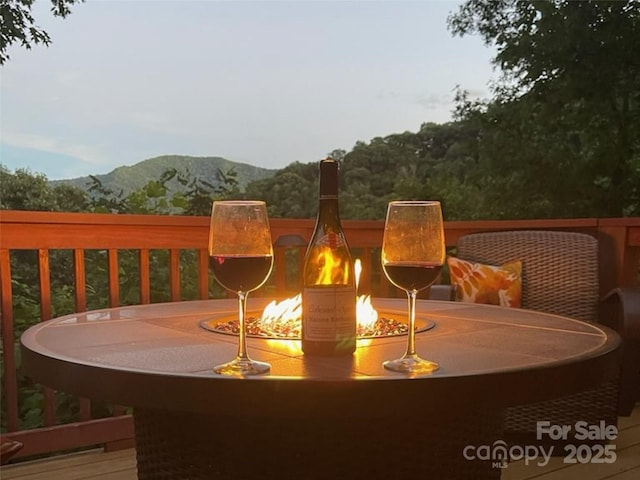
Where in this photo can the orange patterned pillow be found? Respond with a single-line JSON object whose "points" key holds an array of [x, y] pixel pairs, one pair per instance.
{"points": [[479, 283]]}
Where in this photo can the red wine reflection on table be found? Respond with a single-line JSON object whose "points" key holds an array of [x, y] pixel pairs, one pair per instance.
{"points": [[241, 273], [412, 275]]}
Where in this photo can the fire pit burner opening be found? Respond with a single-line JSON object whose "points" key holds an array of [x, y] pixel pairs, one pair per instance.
{"points": [[384, 326]]}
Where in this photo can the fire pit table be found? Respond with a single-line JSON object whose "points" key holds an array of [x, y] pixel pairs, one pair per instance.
{"points": [[315, 417]]}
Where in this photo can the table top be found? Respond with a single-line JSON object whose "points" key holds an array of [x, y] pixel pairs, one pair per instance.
{"points": [[159, 356]]}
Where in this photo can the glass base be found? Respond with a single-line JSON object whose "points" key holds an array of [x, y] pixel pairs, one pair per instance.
{"points": [[411, 364], [240, 367]]}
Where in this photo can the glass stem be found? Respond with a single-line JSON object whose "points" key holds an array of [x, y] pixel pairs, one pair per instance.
{"points": [[411, 334], [242, 311]]}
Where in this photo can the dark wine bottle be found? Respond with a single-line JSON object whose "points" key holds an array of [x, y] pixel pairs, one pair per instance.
{"points": [[329, 292]]}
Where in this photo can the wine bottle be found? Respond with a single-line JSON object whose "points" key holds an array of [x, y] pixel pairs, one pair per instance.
{"points": [[329, 292]]}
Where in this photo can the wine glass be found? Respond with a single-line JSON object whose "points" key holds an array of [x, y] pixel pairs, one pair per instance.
{"points": [[413, 253], [241, 258]]}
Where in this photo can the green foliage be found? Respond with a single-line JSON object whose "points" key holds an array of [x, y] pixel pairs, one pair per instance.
{"points": [[198, 193], [18, 24], [25, 190], [158, 197], [565, 124], [291, 192], [26, 305]]}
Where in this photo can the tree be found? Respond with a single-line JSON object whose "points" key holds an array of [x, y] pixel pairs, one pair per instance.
{"points": [[18, 25], [292, 192], [200, 194], [69, 198], [565, 119], [24, 190]]}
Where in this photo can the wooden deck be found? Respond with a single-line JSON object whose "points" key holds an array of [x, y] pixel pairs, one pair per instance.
{"points": [[121, 465]]}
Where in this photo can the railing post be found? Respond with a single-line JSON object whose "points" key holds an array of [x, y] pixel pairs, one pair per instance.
{"points": [[8, 344], [174, 274], [145, 281], [114, 277], [203, 273], [619, 256], [280, 247]]}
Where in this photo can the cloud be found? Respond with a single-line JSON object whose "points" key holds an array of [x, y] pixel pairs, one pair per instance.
{"points": [[86, 153], [438, 105]]}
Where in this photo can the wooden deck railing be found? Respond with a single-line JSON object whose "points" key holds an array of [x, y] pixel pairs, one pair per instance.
{"points": [[44, 232]]}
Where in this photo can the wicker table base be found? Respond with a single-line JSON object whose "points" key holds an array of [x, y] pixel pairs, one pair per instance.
{"points": [[590, 406], [425, 445]]}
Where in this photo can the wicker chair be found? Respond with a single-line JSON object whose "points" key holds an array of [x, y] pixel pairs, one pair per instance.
{"points": [[560, 275]]}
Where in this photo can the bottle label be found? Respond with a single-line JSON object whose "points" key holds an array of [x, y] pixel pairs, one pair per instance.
{"points": [[329, 313], [331, 240]]}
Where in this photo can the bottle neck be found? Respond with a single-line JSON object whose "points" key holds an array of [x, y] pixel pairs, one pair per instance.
{"points": [[328, 198], [328, 208], [328, 179]]}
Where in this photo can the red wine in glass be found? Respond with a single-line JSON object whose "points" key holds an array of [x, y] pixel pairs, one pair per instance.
{"points": [[412, 275], [241, 273]]}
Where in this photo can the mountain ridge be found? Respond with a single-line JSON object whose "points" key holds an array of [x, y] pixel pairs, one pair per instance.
{"points": [[129, 178]]}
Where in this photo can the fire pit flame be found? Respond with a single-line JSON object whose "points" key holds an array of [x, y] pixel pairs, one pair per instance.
{"points": [[366, 315], [282, 320]]}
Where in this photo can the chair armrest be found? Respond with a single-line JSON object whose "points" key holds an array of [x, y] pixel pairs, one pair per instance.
{"points": [[620, 310], [8, 448]]}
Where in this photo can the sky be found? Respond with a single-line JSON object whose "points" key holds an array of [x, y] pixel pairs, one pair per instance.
{"points": [[265, 83]]}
